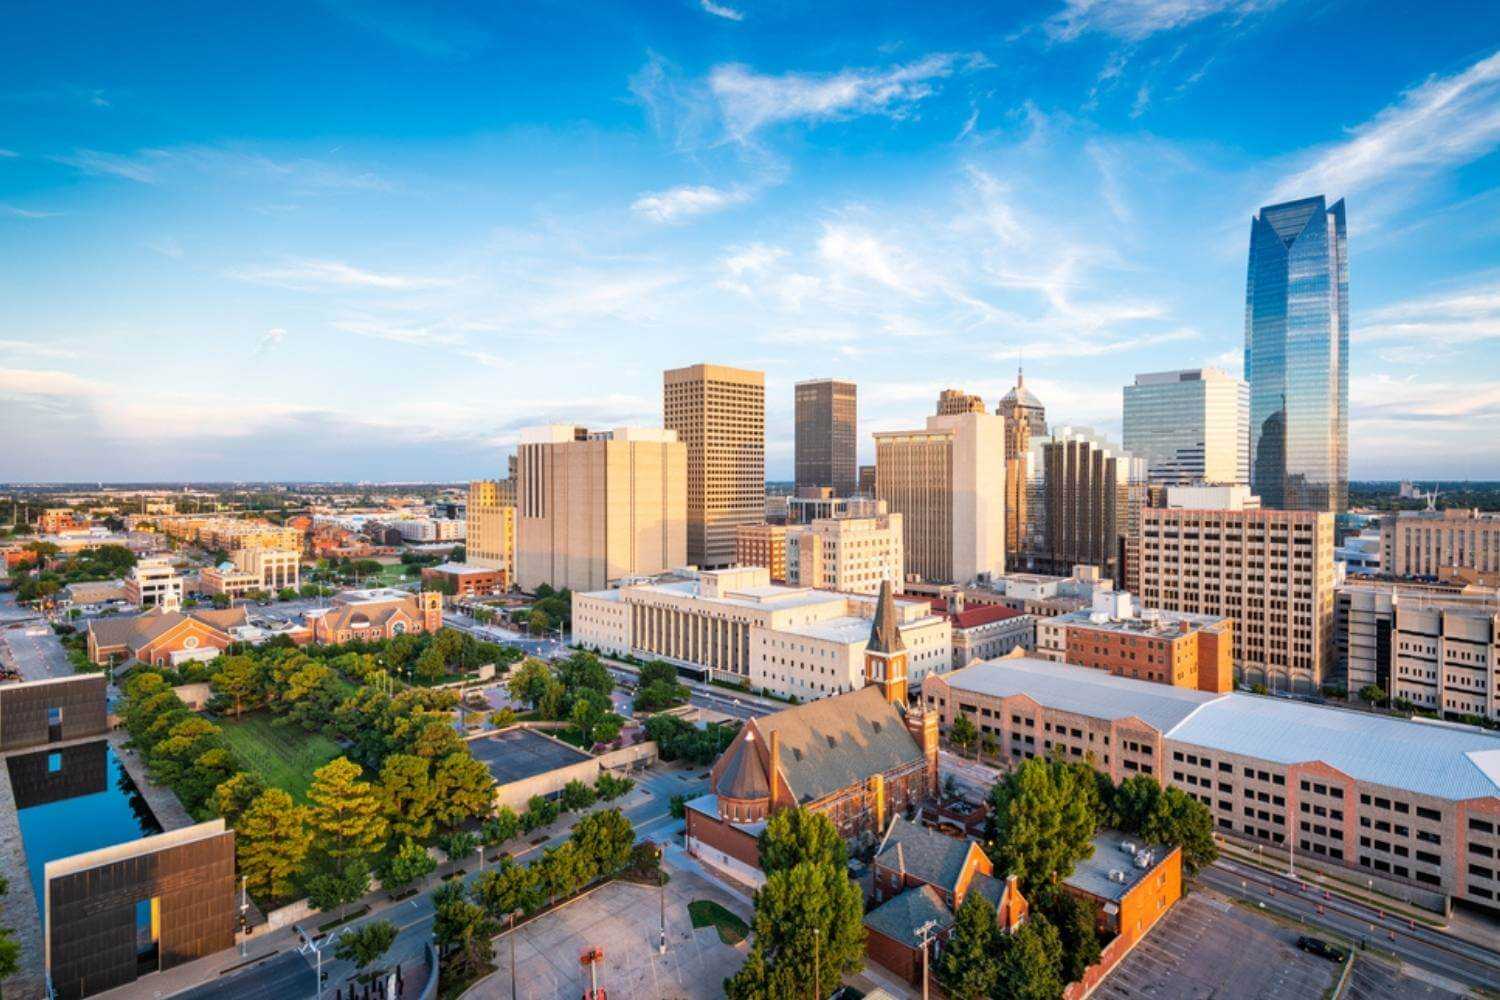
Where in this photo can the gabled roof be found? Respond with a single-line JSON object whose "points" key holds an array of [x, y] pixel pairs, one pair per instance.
{"points": [[984, 614], [836, 742], [899, 917], [924, 854], [367, 613], [137, 631]]}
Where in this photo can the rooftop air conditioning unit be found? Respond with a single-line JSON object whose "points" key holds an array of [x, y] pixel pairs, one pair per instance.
{"points": [[1127, 847], [1143, 859], [1115, 875]]}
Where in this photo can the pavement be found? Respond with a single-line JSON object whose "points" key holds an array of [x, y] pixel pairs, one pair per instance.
{"points": [[35, 650], [1375, 979], [1427, 950], [1208, 947]]}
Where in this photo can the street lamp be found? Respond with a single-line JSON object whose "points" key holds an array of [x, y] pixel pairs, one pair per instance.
{"points": [[817, 966], [317, 950], [661, 881]]}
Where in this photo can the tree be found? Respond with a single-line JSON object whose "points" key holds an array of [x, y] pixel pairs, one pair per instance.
{"points": [[963, 733], [465, 788], [410, 863], [365, 945], [539, 812], [967, 967], [462, 929], [1077, 922], [576, 795], [510, 887], [339, 885], [236, 795], [794, 836], [584, 672], [538, 622], [408, 795], [585, 716], [603, 839], [503, 718], [346, 812], [429, 666], [563, 870], [240, 679], [610, 787], [1041, 822], [271, 841], [788, 908], [459, 844], [657, 670], [1372, 695], [500, 827], [1030, 962], [528, 681], [657, 695], [1182, 821]]}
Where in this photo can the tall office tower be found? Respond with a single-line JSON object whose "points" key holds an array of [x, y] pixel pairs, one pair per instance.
{"points": [[1191, 426], [867, 481], [951, 401], [1085, 502], [490, 538], [948, 484], [720, 414], [826, 435], [1270, 570], [1297, 356], [1025, 418], [599, 507]]}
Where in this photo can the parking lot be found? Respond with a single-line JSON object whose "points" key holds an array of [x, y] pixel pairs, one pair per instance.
{"points": [[624, 920], [1374, 979], [1209, 947]]}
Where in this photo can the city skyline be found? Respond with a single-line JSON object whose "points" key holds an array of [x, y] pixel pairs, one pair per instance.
{"points": [[415, 234]]}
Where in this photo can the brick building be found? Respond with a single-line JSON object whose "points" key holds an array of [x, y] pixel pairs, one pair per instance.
{"points": [[163, 638], [1167, 647], [468, 581], [858, 758], [372, 615]]}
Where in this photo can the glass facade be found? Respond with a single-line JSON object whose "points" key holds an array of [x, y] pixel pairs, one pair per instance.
{"points": [[1190, 426], [1296, 355], [826, 435]]}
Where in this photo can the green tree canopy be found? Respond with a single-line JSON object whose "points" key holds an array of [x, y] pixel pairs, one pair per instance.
{"points": [[794, 836], [347, 815], [967, 968], [364, 945], [1029, 964], [1041, 821], [791, 905], [271, 842]]}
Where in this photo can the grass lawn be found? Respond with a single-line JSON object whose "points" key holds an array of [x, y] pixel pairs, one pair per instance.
{"points": [[706, 913], [281, 752]]}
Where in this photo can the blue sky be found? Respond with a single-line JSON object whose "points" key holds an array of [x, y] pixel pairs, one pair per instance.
{"points": [[353, 239]]}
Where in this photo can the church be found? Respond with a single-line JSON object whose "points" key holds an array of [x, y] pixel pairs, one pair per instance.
{"points": [[859, 758]]}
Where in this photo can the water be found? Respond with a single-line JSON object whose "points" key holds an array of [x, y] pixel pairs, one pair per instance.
{"points": [[74, 800]]}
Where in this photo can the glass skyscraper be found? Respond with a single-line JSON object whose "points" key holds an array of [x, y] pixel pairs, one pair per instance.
{"points": [[1191, 426], [1297, 355]]}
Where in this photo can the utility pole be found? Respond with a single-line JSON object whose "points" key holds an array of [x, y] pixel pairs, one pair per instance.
{"points": [[817, 966], [512, 936], [661, 881], [925, 931]]}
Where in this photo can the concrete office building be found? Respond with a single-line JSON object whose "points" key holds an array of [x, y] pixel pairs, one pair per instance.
{"points": [[153, 582], [719, 413], [491, 532], [826, 435], [1436, 648], [1272, 572], [948, 484], [736, 623], [986, 631], [954, 401], [599, 507], [820, 507], [1413, 806], [1165, 647], [854, 555], [1190, 426], [1079, 509], [247, 570], [1447, 544], [1025, 418]]}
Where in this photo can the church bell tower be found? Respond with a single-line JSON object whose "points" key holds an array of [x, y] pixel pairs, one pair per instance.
{"points": [[885, 656]]}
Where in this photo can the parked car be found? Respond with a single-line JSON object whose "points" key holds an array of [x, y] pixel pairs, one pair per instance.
{"points": [[1321, 948]]}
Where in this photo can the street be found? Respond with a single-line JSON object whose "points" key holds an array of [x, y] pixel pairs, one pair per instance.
{"points": [[1412, 942]]}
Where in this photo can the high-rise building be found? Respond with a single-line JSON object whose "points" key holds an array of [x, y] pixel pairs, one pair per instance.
{"points": [[491, 534], [948, 484], [1025, 418], [854, 555], [1450, 544], [826, 416], [1079, 504], [1271, 571], [719, 413], [867, 481], [951, 401], [599, 507], [1297, 355], [1191, 426]]}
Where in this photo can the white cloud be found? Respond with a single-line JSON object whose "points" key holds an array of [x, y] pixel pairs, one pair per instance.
{"points": [[41, 382], [719, 10], [1142, 101], [750, 101], [1443, 121], [1063, 347], [143, 168], [1134, 20], [270, 340], [854, 253], [414, 335], [16, 212], [679, 204], [322, 274], [1436, 321], [35, 350]]}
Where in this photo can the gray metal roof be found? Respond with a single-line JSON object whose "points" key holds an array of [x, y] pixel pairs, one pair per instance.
{"points": [[1081, 689], [899, 917], [832, 743], [1447, 762]]}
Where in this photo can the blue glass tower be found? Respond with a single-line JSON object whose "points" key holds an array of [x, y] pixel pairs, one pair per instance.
{"points": [[1297, 355]]}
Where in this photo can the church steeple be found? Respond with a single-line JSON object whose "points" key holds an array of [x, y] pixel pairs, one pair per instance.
{"points": [[885, 655]]}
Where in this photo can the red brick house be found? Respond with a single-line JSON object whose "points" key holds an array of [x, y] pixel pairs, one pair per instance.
{"points": [[372, 615], [163, 638], [922, 877], [858, 758]]}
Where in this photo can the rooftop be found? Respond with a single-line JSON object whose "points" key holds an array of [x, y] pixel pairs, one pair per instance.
{"points": [[518, 754], [932, 857], [463, 569], [899, 917], [1127, 857], [1150, 622], [984, 614]]}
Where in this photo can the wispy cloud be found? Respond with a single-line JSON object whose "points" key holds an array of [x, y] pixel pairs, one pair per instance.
{"points": [[1437, 322], [16, 212], [143, 168], [750, 101], [1444, 121], [679, 204], [1134, 20], [324, 274], [33, 349], [224, 165], [414, 26], [720, 10], [270, 340], [8, 154], [1083, 348], [415, 335]]}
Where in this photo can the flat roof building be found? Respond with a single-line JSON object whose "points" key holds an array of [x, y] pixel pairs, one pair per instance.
{"points": [[826, 436], [1167, 647]]}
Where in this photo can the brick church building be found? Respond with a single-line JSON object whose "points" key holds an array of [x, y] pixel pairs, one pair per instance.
{"points": [[859, 758]]}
